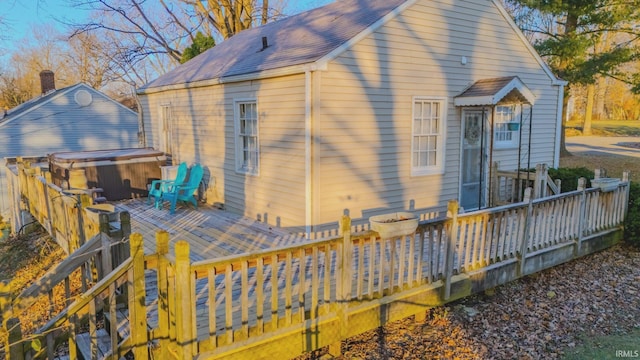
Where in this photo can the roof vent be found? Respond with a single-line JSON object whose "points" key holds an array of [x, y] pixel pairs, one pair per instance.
{"points": [[265, 43], [83, 97]]}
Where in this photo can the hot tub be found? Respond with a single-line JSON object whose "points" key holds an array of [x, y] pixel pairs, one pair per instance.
{"points": [[121, 173]]}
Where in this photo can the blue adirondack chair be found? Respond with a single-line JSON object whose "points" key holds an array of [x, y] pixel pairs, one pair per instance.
{"points": [[185, 192], [160, 186]]}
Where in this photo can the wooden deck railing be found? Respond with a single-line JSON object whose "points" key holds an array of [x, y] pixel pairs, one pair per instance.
{"points": [[69, 216], [282, 302], [507, 187]]}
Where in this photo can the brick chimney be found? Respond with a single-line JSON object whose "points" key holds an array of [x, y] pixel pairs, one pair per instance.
{"points": [[47, 81]]}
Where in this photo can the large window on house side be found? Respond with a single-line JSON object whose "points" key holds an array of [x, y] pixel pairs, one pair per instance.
{"points": [[506, 126], [247, 141], [427, 143]]}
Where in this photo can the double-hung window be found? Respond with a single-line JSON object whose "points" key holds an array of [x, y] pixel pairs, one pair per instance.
{"points": [[427, 143], [506, 126], [247, 141]]}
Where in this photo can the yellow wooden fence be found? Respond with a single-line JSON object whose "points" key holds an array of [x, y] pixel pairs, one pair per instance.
{"points": [[283, 302]]}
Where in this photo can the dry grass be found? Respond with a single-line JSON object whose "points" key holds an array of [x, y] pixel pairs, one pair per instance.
{"points": [[24, 259], [605, 128], [615, 165], [27, 257]]}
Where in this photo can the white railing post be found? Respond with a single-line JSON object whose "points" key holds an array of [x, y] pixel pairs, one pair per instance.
{"points": [[558, 183], [137, 307], [494, 185], [452, 214], [162, 249], [582, 186], [540, 187], [107, 263], [626, 178], [536, 182], [184, 317], [524, 242], [598, 173], [344, 274], [347, 255]]}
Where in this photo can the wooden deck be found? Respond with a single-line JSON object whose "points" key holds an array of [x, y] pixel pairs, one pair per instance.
{"points": [[211, 232]]}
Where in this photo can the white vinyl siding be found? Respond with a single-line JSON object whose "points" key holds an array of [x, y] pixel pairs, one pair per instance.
{"points": [[204, 132], [427, 154], [506, 126], [361, 115], [366, 113], [247, 139]]}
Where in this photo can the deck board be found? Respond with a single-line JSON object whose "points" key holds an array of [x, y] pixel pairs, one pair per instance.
{"points": [[214, 233], [210, 232]]}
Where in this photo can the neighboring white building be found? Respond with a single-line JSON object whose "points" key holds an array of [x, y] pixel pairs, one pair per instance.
{"points": [[360, 107], [74, 118]]}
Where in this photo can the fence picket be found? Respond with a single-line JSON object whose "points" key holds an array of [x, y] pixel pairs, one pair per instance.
{"points": [[422, 238], [360, 267], [184, 337], [411, 257], [260, 294], [302, 284], [326, 293], [274, 292], [315, 284], [372, 260], [288, 279]]}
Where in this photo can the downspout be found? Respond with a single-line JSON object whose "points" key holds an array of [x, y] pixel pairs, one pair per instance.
{"points": [[529, 144], [491, 139], [308, 153], [142, 136], [482, 154], [520, 149], [556, 156]]}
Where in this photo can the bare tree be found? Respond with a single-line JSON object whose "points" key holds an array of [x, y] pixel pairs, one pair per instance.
{"points": [[11, 93], [143, 37], [227, 17], [139, 33], [86, 56]]}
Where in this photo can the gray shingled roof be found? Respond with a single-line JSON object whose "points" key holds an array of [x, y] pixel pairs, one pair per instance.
{"points": [[486, 87], [495, 90], [30, 104], [296, 40]]}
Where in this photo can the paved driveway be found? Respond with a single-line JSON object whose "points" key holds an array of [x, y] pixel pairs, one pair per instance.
{"points": [[603, 145]]}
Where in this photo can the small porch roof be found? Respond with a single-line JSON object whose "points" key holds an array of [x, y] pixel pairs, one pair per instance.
{"points": [[489, 92]]}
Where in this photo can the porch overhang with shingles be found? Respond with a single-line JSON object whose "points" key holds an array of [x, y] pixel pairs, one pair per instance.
{"points": [[490, 92]]}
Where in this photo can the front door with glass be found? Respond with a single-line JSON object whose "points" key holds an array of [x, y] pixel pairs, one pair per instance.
{"points": [[473, 184]]}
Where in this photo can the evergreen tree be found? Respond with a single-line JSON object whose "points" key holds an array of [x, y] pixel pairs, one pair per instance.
{"points": [[199, 45], [583, 40]]}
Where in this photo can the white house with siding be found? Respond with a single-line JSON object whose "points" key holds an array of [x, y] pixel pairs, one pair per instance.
{"points": [[360, 107], [73, 118]]}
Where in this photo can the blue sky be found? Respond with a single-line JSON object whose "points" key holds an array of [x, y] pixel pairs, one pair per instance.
{"points": [[22, 15]]}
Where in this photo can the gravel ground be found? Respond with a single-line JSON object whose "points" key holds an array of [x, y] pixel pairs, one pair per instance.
{"points": [[542, 316]]}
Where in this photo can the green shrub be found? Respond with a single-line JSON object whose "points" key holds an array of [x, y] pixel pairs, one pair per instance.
{"points": [[570, 176], [632, 222]]}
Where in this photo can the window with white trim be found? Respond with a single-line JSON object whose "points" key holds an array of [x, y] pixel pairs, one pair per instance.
{"points": [[247, 141], [427, 143], [506, 126]]}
